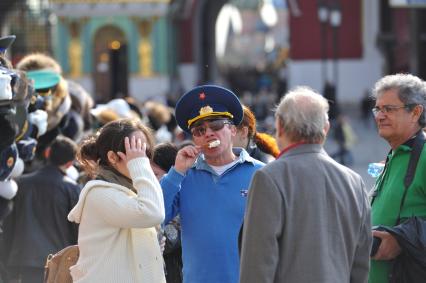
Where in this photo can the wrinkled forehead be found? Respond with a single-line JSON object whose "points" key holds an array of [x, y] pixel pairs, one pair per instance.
{"points": [[389, 96]]}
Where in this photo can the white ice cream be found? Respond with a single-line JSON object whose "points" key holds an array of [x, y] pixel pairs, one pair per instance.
{"points": [[215, 143]]}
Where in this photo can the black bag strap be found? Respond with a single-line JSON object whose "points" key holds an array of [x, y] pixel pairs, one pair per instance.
{"points": [[418, 143]]}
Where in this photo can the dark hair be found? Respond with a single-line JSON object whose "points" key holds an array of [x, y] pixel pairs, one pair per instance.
{"points": [[264, 142], [94, 149], [164, 155], [62, 150]]}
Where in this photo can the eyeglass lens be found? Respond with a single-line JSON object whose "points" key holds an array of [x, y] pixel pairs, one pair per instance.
{"points": [[388, 108], [215, 125]]}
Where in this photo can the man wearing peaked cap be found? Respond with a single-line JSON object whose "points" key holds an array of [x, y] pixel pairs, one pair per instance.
{"points": [[208, 101], [208, 184], [6, 42]]}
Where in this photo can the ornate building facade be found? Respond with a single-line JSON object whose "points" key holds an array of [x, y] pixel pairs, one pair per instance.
{"points": [[114, 48]]}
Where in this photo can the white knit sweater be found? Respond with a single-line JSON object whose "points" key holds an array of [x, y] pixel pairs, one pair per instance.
{"points": [[117, 239]]}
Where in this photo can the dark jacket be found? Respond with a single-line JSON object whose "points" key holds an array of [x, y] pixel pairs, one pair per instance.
{"points": [[410, 265], [38, 224], [256, 153]]}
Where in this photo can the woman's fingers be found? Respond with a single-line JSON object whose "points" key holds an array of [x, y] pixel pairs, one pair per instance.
{"points": [[126, 144], [133, 142], [139, 144], [134, 148]]}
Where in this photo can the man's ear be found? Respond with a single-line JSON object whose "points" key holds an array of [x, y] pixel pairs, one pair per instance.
{"points": [[245, 131], [280, 128], [233, 129], [326, 128], [112, 157], [417, 111]]}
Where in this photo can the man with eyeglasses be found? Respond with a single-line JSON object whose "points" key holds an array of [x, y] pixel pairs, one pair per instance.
{"points": [[208, 185], [400, 117]]}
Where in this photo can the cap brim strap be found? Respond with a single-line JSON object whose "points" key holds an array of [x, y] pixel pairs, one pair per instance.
{"points": [[191, 121]]}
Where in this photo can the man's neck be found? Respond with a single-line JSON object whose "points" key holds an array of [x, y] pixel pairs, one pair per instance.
{"points": [[221, 160], [394, 144]]}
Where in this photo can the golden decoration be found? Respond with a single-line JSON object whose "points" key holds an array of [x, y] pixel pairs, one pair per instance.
{"points": [[205, 110]]}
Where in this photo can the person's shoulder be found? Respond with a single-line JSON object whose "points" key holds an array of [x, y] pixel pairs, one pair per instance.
{"points": [[31, 179], [246, 157], [343, 170], [71, 185], [258, 163], [273, 168], [96, 190]]}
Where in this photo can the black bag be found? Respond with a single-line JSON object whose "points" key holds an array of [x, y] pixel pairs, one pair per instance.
{"points": [[410, 265]]}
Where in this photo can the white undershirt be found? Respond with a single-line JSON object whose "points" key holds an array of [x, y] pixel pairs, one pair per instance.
{"points": [[220, 169]]}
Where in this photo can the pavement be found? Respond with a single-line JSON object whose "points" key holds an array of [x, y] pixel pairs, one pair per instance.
{"points": [[368, 148]]}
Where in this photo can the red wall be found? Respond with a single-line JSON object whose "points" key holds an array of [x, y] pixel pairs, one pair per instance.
{"points": [[305, 32], [185, 40]]}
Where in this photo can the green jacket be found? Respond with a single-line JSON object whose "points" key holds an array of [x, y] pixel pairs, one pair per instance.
{"points": [[389, 189]]}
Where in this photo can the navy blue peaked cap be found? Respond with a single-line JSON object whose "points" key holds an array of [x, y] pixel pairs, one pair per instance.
{"points": [[207, 101], [6, 42]]}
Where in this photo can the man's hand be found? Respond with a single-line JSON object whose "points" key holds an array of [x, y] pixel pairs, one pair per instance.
{"points": [[186, 157], [389, 247]]}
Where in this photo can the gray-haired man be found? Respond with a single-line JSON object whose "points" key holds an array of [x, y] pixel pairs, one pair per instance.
{"points": [[400, 117], [307, 217]]}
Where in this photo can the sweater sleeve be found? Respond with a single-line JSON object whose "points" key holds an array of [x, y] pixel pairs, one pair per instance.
{"points": [[171, 184], [144, 210]]}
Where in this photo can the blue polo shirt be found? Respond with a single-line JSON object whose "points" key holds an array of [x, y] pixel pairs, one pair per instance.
{"points": [[211, 209]]}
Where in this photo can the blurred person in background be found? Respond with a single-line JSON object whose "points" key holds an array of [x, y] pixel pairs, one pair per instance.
{"points": [[38, 224], [16, 97], [159, 116], [366, 104], [260, 146], [345, 138], [163, 158], [52, 89]]}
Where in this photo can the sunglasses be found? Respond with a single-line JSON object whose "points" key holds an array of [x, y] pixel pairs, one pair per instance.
{"points": [[214, 125]]}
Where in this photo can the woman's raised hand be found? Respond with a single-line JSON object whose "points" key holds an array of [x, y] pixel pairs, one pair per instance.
{"points": [[134, 148]]}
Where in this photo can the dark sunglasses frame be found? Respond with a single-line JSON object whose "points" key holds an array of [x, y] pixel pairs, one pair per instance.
{"points": [[215, 125]]}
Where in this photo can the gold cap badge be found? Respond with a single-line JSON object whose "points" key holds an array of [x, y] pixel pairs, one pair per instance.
{"points": [[205, 110]]}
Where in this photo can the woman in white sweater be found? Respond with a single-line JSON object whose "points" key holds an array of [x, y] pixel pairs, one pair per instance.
{"points": [[119, 209]]}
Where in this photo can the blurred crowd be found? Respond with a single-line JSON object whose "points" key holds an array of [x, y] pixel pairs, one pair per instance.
{"points": [[43, 119], [151, 193]]}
